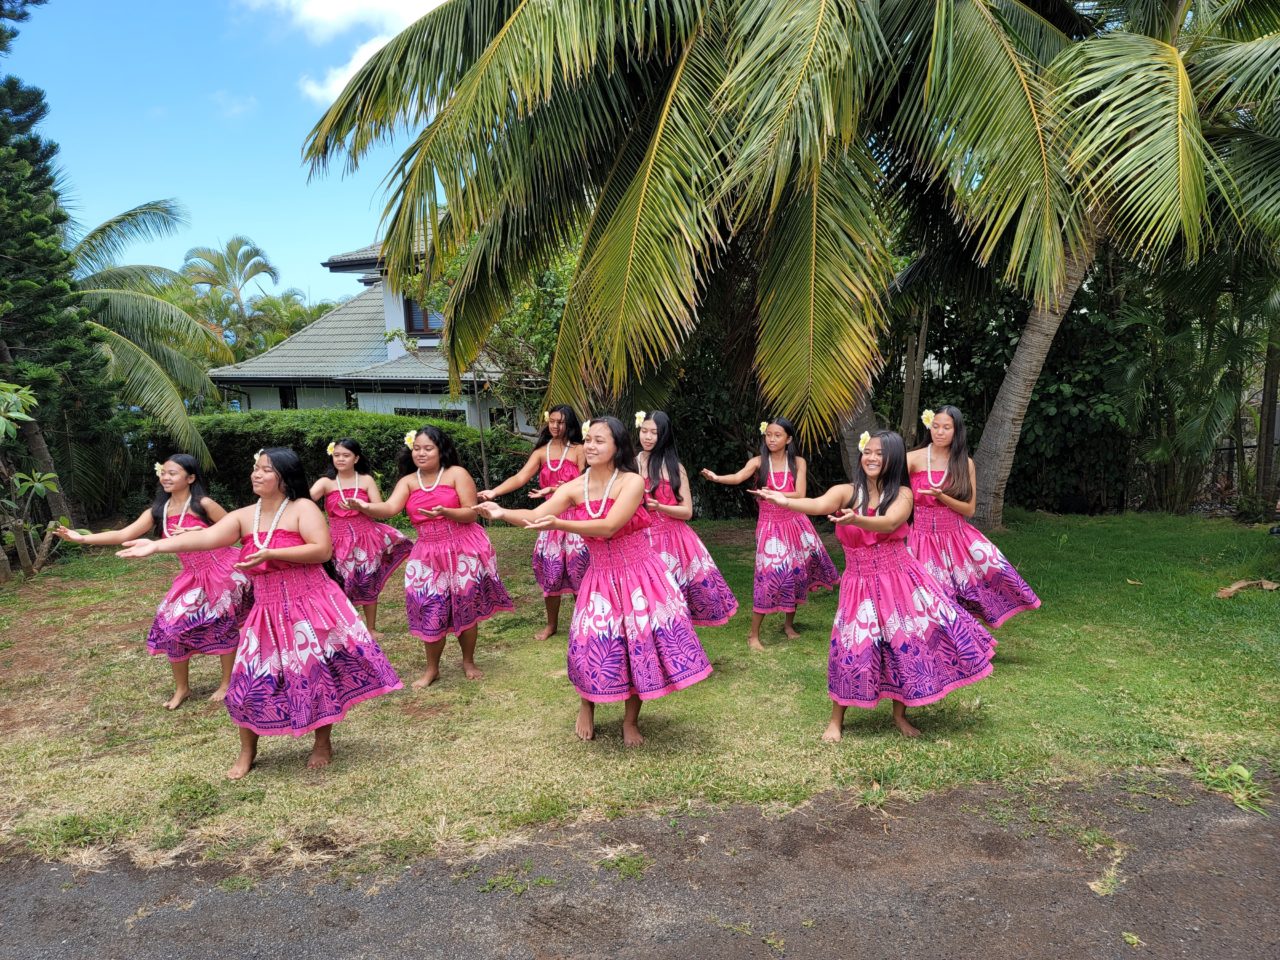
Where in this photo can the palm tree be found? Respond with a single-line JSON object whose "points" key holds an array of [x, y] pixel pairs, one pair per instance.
{"points": [[280, 315], [225, 274], [665, 132], [150, 343]]}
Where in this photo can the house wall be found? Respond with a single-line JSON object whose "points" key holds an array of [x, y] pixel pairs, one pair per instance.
{"points": [[313, 398], [385, 402], [263, 398]]}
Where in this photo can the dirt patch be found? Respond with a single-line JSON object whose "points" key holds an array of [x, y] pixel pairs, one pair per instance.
{"points": [[1148, 865]]}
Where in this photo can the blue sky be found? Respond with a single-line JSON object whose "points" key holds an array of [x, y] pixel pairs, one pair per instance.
{"points": [[209, 102]]}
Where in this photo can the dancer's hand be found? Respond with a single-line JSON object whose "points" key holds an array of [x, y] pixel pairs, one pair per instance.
{"points": [[254, 559], [360, 505], [651, 503], [490, 510], [713, 477], [844, 517], [432, 513], [932, 492], [542, 523], [66, 533], [542, 493], [485, 495], [776, 497], [137, 549]]}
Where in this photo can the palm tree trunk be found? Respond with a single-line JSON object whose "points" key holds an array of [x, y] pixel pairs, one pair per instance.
{"points": [[860, 418], [994, 457], [1267, 487], [33, 436], [912, 378]]}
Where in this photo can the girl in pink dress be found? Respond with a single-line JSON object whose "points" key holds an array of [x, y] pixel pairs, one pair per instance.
{"points": [[897, 635], [559, 558], [670, 507], [791, 561], [209, 599], [365, 553], [451, 580], [967, 565], [631, 638], [305, 656]]}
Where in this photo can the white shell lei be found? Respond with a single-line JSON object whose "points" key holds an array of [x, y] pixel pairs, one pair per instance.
{"points": [[275, 522], [436, 483], [786, 472], [563, 457], [586, 494], [164, 530], [342, 494], [928, 464]]}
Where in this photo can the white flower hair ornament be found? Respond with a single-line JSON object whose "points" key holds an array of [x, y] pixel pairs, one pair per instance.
{"points": [[257, 456], [764, 425], [159, 469], [863, 441], [546, 415], [927, 419], [330, 448], [408, 438], [641, 416]]}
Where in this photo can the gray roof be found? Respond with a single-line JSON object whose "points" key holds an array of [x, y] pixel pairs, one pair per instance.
{"points": [[349, 337], [353, 261], [425, 364]]}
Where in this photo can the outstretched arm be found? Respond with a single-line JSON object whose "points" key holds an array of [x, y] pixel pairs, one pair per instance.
{"points": [[557, 503], [831, 501], [733, 479], [222, 534], [109, 538], [898, 514], [312, 527], [383, 509], [630, 493], [525, 474]]}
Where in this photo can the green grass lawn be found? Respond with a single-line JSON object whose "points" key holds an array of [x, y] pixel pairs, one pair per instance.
{"points": [[1131, 662]]}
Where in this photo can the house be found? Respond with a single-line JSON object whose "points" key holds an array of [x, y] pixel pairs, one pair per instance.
{"points": [[357, 357]]}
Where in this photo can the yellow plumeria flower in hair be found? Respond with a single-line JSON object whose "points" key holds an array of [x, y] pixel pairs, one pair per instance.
{"points": [[408, 438], [640, 417], [927, 419], [546, 415], [330, 448], [764, 425], [863, 441], [159, 469]]}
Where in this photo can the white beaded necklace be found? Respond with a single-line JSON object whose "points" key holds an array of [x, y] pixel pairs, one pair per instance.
{"points": [[928, 462], [563, 457], [275, 522], [181, 516], [436, 483], [342, 494], [786, 472], [586, 494]]}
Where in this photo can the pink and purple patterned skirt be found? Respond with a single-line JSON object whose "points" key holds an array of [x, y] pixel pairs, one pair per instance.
{"points": [[631, 634], [559, 560], [968, 565], [791, 561], [306, 657], [711, 602], [204, 609], [898, 636], [365, 554], [451, 581]]}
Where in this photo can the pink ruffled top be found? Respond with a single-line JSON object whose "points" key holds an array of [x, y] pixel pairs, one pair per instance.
{"points": [[568, 470], [639, 521], [420, 500], [333, 504], [853, 538], [277, 541]]}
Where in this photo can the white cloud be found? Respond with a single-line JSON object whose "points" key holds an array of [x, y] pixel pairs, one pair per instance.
{"points": [[335, 78], [325, 19]]}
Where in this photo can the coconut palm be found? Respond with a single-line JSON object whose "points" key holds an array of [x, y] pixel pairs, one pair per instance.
{"points": [[150, 343], [281, 315], [663, 132], [225, 274]]}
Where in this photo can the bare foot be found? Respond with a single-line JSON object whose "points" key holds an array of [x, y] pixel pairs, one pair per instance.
{"points": [[427, 679], [833, 732], [546, 633], [321, 756], [472, 671], [243, 764], [585, 727], [754, 643], [631, 734], [791, 632], [904, 727], [179, 695], [377, 635], [218, 696]]}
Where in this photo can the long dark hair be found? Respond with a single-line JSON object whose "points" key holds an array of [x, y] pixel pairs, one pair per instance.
{"points": [[624, 450], [198, 490], [762, 477], [361, 465], [958, 458], [448, 452], [288, 466], [572, 426], [893, 473], [664, 461]]}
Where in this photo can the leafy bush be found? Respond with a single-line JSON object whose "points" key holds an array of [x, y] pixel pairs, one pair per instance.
{"points": [[233, 438]]}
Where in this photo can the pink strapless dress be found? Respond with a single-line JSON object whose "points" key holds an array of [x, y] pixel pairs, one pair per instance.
{"points": [[897, 634], [365, 553], [631, 633], [305, 656], [967, 565], [711, 602], [205, 607], [791, 561], [451, 581], [559, 558]]}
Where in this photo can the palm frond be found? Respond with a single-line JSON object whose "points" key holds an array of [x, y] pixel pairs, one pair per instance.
{"points": [[147, 383], [140, 276], [1238, 19], [150, 321], [826, 266], [1035, 36], [1239, 75], [1136, 138], [103, 246], [1252, 162]]}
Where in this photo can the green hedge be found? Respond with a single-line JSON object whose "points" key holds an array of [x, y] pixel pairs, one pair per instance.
{"points": [[233, 438]]}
